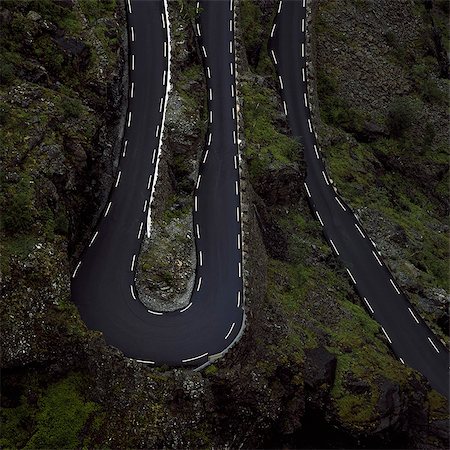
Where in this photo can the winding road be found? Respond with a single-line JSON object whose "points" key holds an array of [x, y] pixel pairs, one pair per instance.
{"points": [[408, 335], [103, 281]]}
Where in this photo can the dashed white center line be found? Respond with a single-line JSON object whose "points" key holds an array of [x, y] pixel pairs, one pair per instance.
{"points": [[325, 178], [199, 284], [197, 7], [360, 231], [433, 344], [273, 30], [231, 25], [157, 131], [239, 299], [143, 361], [154, 156], [145, 206], [401, 360], [281, 81], [303, 50], [414, 316], [239, 241], [240, 270], [204, 51], [206, 155], [210, 94], [274, 57], [376, 257], [211, 116], [316, 152], [285, 107], [76, 269], [307, 190], [198, 30], [133, 260], [229, 332], [155, 313], [340, 203], [198, 181], [237, 214], [235, 161], [234, 137], [236, 187], [309, 125], [149, 182], [200, 256], [165, 50], [196, 203], [387, 336], [305, 99], [320, 218], [197, 228], [161, 103], [368, 305], [209, 138], [132, 90], [129, 119], [118, 178], [279, 6], [334, 247], [395, 287], [208, 72], [132, 62], [304, 3], [194, 357], [125, 144], [132, 292], [129, 6], [132, 34], [93, 238], [186, 308], [233, 114], [231, 68], [164, 78], [303, 25], [303, 74], [231, 5], [107, 209], [140, 230], [231, 47], [232, 90], [351, 275], [163, 20]]}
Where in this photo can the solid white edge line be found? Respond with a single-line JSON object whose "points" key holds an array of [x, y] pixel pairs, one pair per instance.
{"points": [[433, 344], [334, 247], [229, 332], [414, 316], [368, 305], [93, 238], [378, 259], [351, 275], [76, 269], [132, 292], [194, 357], [199, 284], [186, 308], [155, 313], [395, 287], [387, 336]]}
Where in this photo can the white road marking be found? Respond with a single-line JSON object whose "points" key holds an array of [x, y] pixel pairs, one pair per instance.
{"points": [[157, 130], [237, 214], [273, 30], [107, 209], [340, 203], [118, 178], [199, 283], [156, 313], [132, 262], [232, 90], [401, 360], [373, 243], [132, 292], [395, 287], [235, 161], [368, 305], [198, 181], [211, 117], [195, 357], [140, 230], [316, 152], [303, 74], [186, 308], [376, 257], [196, 203], [334, 247], [161, 103], [309, 125], [164, 78], [387, 336], [281, 81], [206, 155], [236, 187], [149, 181], [197, 6], [239, 241], [304, 3], [320, 218], [209, 138], [433, 344], [143, 361], [132, 34], [303, 25], [165, 49], [132, 90], [204, 51], [351, 276], [129, 119], [239, 269], [231, 47], [303, 50], [231, 68], [76, 269], [360, 231], [198, 231], [285, 107], [93, 238], [239, 299], [132, 62], [229, 332], [233, 114], [274, 57], [163, 20], [125, 144], [231, 25], [201, 258], [209, 72], [234, 137], [231, 5], [414, 316], [210, 94], [305, 99], [307, 190], [325, 178], [198, 30], [279, 6], [129, 6], [145, 206], [154, 156]]}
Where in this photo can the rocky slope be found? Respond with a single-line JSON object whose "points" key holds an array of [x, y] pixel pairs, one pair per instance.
{"points": [[312, 369]]}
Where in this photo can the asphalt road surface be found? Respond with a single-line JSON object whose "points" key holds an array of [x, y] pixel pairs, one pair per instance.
{"points": [[410, 338], [103, 281]]}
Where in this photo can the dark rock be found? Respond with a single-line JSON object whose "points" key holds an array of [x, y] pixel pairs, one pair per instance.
{"points": [[320, 368]]}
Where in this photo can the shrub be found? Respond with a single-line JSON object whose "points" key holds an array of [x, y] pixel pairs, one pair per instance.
{"points": [[402, 113]]}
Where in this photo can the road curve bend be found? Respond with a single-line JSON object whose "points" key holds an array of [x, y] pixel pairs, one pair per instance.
{"points": [[408, 335], [103, 281]]}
